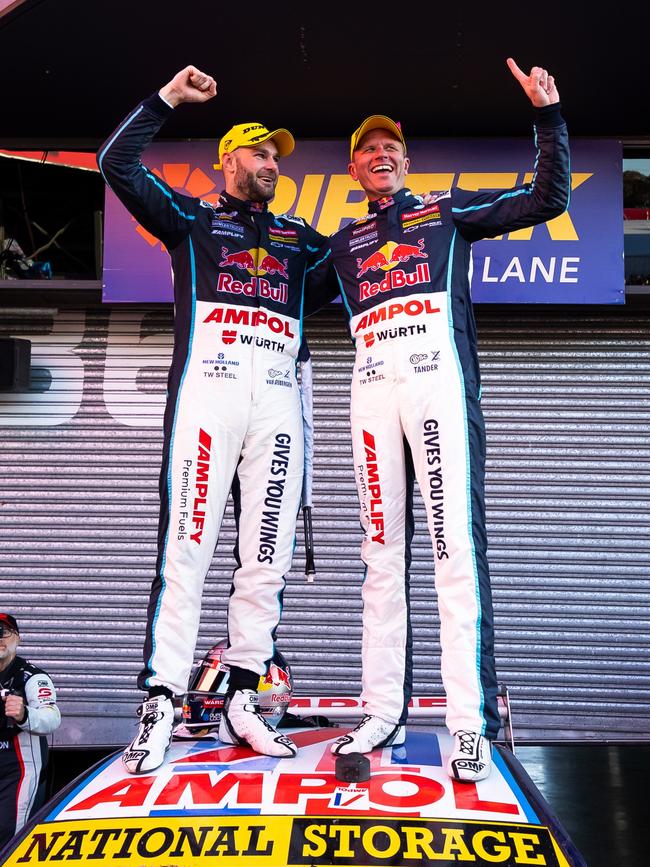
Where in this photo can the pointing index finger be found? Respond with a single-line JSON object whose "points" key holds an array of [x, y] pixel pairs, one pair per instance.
{"points": [[518, 73]]}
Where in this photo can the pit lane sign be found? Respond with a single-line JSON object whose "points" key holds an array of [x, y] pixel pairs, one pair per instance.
{"points": [[575, 258]]}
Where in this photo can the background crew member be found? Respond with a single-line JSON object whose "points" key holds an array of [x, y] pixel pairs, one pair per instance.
{"points": [[28, 712]]}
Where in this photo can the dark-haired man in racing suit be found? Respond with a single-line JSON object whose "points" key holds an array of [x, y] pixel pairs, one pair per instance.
{"points": [[402, 271], [233, 413]]}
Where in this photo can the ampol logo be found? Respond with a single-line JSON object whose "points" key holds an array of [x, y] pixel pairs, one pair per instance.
{"points": [[390, 255]]}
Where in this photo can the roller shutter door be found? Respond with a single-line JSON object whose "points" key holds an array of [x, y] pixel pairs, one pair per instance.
{"points": [[566, 399]]}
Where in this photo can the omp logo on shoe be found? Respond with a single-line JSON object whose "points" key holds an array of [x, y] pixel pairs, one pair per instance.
{"points": [[468, 765]]}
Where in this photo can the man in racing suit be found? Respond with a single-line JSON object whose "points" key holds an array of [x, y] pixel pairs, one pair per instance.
{"points": [[233, 413], [402, 271], [28, 712]]}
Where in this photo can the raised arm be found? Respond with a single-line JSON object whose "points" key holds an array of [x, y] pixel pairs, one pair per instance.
{"points": [[164, 212], [486, 214], [538, 86]]}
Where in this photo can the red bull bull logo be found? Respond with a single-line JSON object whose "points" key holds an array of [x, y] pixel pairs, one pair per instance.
{"points": [[404, 252], [271, 265], [372, 263], [257, 262], [276, 676], [390, 255], [242, 259]]}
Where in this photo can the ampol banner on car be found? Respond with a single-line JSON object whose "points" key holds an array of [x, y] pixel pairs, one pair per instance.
{"points": [[576, 258], [212, 803]]}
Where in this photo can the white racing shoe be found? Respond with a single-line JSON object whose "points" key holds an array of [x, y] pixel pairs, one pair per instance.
{"points": [[371, 733], [147, 749], [243, 724], [471, 758]]}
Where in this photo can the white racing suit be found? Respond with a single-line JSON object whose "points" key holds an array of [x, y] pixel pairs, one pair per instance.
{"points": [[233, 413], [402, 272]]}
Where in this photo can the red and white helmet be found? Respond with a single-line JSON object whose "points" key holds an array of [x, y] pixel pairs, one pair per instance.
{"points": [[208, 686]]}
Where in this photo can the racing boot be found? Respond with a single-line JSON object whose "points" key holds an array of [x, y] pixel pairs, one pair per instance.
{"points": [[371, 733], [471, 758], [147, 749], [243, 724]]}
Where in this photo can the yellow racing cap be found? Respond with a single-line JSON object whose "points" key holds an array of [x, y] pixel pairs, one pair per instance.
{"points": [[376, 121], [247, 135]]}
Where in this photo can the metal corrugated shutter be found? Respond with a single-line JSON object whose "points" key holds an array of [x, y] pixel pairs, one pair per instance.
{"points": [[566, 404]]}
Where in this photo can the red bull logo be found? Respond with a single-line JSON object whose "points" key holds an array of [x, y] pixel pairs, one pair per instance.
{"points": [[276, 677], [390, 255], [255, 286], [372, 263], [271, 265], [242, 259], [404, 252], [257, 261], [396, 279]]}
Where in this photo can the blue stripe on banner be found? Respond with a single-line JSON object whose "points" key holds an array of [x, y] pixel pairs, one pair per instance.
{"points": [[468, 491], [505, 772], [120, 130], [171, 448]]}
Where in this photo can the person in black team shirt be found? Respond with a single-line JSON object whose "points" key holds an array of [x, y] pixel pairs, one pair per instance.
{"points": [[402, 271], [28, 712], [233, 414]]}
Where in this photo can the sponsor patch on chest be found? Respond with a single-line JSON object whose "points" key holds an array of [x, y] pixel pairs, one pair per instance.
{"points": [[421, 218]]}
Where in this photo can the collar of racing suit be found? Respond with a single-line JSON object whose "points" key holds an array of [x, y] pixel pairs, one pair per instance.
{"points": [[242, 205], [11, 670], [387, 201]]}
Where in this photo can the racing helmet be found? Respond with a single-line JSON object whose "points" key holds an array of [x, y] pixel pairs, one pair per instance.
{"points": [[208, 685]]}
